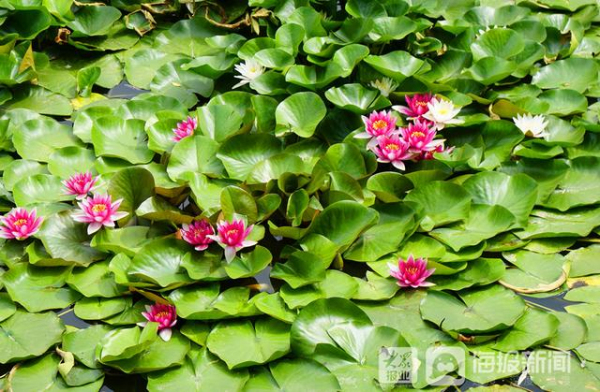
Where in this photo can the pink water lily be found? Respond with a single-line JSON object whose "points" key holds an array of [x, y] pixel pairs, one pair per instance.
{"points": [[421, 136], [185, 128], [197, 233], [99, 211], [163, 314], [19, 224], [411, 273], [377, 124], [80, 184], [232, 237], [417, 105], [394, 150]]}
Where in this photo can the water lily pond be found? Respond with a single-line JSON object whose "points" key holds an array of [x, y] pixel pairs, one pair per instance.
{"points": [[299, 195]]}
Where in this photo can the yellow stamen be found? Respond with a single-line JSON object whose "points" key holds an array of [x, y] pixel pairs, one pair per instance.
{"points": [[379, 124], [412, 270], [417, 134], [99, 208], [232, 232], [392, 146], [20, 222]]}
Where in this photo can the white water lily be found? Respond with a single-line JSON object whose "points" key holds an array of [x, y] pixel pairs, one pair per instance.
{"points": [[534, 126], [249, 70], [442, 113], [386, 86]]}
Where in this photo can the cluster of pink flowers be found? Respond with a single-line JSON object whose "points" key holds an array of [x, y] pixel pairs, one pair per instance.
{"points": [[232, 236], [185, 128], [411, 273], [415, 142], [95, 210]]}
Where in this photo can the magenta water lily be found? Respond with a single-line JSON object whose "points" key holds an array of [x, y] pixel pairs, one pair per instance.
{"points": [[80, 184], [197, 234], [185, 128], [420, 136], [232, 236], [163, 314], [392, 149], [418, 105], [98, 211], [19, 224], [377, 124], [411, 272]]}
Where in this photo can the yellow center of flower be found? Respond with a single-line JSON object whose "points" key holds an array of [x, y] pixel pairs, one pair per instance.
{"points": [[391, 146], [20, 222], [421, 103], [412, 270], [417, 134], [379, 124], [232, 232], [99, 208], [443, 111], [163, 314]]}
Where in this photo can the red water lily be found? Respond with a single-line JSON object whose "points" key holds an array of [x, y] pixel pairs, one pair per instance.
{"points": [[80, 184], [377, 124], [197, 233], [163, 314], [421, 136], [411, 272], [185, 128], [232, 237], [417, 105]]}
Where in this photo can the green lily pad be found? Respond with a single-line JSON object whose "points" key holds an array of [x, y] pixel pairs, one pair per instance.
{"points": [[478, 310], [571, 73], [266, 340], [442, 202], [533, 328], [300, 113], [516, 193], [535, 272], [63, 238], [484, 222], [200, 372], [161, 261], [209, 303], [37, 288], [20, 327], [95, 281], [578, 187], [119, 138], [37, 139]]}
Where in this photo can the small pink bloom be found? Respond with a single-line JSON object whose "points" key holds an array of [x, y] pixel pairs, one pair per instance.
{"points": [[417, 105], [428, 155], [421, 137], [411, 273], [196, 233], [164, 315], [232, 236], [80, 184], [185, 128], [99, 211], [19, 224], [392, 149], [377, 124]]}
